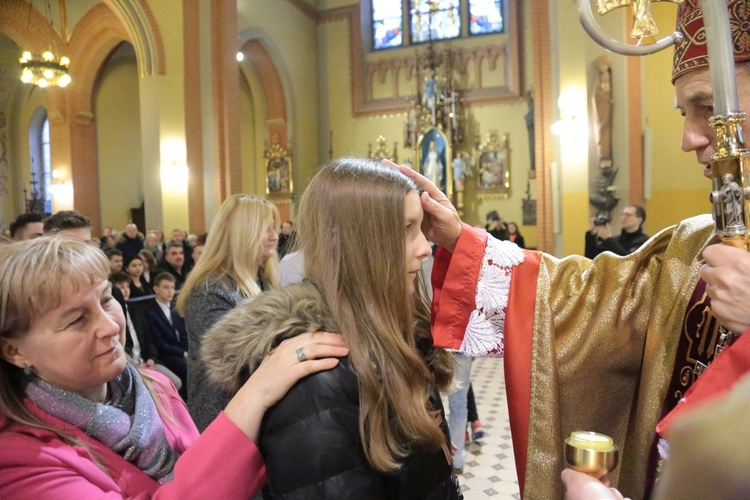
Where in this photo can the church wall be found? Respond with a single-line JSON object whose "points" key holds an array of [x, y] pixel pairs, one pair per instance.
{"points": [[163, 115], [253, 132], [290, 37], [578, 174], [572, 151], [10, 88], [674, 188], [677, 187], [333, 4], [351, 135], [118, 134], [29, 100]]}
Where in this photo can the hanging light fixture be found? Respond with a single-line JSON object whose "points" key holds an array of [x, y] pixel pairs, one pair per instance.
{"points": [[47, 69], [44, 70]]}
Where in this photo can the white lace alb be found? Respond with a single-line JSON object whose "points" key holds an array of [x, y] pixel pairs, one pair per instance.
{"points": [[485, 331]]}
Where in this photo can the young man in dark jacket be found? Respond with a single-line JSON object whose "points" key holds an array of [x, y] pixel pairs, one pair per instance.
{"points": [[599, 239]]}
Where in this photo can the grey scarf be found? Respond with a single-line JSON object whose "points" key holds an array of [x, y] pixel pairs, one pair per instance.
{"points": [[129, 425]]}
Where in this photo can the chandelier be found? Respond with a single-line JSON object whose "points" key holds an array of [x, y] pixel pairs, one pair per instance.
{"points": [[44, 70], [47, 69]]}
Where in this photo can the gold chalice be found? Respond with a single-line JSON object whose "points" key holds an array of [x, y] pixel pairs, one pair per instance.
{"points": [[591, 453]]}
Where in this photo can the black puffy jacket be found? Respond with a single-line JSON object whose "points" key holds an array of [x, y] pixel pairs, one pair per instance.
{"points": [[310, 440], [312, 448]]}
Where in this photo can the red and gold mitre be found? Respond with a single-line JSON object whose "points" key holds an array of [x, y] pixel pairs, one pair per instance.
{"points": [[692, 52]]}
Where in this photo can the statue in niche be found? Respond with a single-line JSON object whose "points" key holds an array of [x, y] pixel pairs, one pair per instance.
{"points": [[461, 167], [432, 167], [604, 192], [529, 118], [603, 103]]}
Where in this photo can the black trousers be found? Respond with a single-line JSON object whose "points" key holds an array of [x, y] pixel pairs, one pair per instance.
{"points": [[471, 405]]}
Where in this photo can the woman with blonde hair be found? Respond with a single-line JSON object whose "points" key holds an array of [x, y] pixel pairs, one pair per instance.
{"points": [[88, 423], [373, 427], [239, 261]]}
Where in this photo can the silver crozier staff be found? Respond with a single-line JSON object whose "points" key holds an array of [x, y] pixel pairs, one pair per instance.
{"points": [[730, 170]]}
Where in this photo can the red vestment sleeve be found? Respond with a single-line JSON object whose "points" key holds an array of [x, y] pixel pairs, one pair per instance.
{"points": [[454, 282], [454, 285]]}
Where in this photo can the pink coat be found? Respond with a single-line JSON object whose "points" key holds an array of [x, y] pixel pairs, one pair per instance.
{"points": [[221, 463]]}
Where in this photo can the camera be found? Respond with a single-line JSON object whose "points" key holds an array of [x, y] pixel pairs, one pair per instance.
{"points": [[601, 220]]}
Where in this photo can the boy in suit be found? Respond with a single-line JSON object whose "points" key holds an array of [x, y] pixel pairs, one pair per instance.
{"points": [[168, 328], [139, 343]]}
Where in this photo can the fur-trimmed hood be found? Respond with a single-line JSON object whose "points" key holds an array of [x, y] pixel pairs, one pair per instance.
{"points": [[234, 347]]}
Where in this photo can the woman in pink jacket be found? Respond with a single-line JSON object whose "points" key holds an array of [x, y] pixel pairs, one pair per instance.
{"points": [[79, 420]]}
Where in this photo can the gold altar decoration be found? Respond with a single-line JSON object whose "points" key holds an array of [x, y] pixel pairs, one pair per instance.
{"points": [[493, 166], [434, 125], [279, 184], [382, 152], [644, 25]]}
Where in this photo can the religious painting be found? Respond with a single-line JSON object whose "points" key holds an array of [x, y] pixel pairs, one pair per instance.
{"points": [[493, 166], [433, 151], [278, 171], [529, 212]]}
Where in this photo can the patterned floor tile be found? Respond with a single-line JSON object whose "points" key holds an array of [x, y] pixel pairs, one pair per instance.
{"points": [[490, 472]]}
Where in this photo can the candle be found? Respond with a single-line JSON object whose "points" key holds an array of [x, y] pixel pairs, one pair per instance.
{"points": [[591, 441]]}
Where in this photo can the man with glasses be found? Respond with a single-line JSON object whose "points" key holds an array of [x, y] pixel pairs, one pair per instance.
{"points": [[599, 238]]}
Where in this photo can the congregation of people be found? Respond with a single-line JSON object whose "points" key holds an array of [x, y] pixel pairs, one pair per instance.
{"points": [[208, 366]]}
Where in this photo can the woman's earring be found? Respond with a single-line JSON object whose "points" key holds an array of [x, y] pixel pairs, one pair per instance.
{"points": [[26, 370]]}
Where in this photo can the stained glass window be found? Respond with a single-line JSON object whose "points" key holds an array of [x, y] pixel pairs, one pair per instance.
{"points": [[387, 23], [434, 19], [485, 16], [46, 179]]}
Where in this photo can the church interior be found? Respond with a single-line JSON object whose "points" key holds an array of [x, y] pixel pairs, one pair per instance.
{"points": [[155, 112], [172, 106]]}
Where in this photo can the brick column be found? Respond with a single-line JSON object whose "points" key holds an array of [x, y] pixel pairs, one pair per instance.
{"points": [[544, 143], [193, 125], [226, 94]]}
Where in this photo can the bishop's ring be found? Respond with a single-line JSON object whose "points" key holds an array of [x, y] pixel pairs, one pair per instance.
{"points": [[301, 354]]}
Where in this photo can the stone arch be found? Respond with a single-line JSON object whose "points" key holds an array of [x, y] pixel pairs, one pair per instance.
{"points": [[98, 33], [273, 88], [95, 37], [277, 122], [145, 36], [27, 27]]}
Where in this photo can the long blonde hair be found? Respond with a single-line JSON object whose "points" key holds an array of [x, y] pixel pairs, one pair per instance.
{"points": [[351, 232], [34, 276], [233, 247]]}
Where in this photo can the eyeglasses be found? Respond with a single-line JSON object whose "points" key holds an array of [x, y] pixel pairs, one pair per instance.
{"points": [[625, 214]]}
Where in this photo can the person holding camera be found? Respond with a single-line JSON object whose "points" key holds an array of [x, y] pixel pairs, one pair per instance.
{"points": [[495, 226], [599, 239]]}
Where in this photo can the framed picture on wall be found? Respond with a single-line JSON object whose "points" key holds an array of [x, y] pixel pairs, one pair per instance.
{"points": [[493, 166], [433, 152], [278, 171]]}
